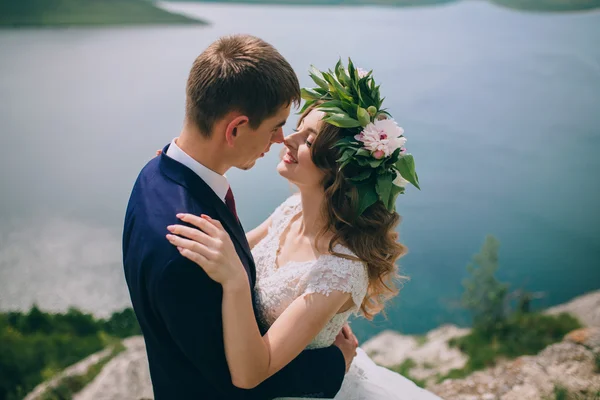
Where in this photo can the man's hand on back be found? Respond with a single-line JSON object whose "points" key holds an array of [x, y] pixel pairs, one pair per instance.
{"points": [[347, 343]]}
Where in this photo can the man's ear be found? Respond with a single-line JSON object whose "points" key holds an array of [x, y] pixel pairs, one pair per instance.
{"points": [[232, 129]]}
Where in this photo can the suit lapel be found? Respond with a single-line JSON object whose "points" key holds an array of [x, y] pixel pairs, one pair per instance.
{"points": [[207, 197], [235, 229]]}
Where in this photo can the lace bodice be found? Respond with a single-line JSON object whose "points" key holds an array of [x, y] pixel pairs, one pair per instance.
{"points": [[277, 287]]}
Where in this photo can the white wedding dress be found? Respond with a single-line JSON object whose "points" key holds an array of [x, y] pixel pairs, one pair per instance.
{"points": [[277, 288]]}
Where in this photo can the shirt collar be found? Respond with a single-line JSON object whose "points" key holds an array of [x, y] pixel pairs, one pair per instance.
{"points": [[217, 182]]}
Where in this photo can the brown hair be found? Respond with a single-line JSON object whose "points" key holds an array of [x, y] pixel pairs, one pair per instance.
{"points": [[239, 73], [372, 236]]}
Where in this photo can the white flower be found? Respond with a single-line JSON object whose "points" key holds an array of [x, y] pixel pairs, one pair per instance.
{"points": [[400, 181], [361, 72], [382, 136]]}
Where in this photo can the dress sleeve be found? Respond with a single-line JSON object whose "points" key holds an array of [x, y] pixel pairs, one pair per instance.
{"points": [[332, 273]]}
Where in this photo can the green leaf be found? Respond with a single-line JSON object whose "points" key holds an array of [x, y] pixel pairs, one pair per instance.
{"points": [[317, 76], [352, 70], [345, 163], [406, 167], [333, 103], [345, 141], [307, 104], [363, 116], [396, 190], [365, 92], [333, 110], [336, 88], [366, 197], [384, 187], [346, 155], [350, 108], [340, 72], [341, 121], [376, 163], [361, 176], [363, 153], [310, 94], [343, 158]]}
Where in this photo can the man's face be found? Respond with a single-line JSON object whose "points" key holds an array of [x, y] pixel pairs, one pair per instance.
{"points": [[252, 144]]}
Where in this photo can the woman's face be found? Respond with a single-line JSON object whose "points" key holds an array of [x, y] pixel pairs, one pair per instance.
{"points": [[297, 165]]}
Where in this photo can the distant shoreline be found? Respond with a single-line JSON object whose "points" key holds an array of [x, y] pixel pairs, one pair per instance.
{"points": [[124, 13], [542, 6], [87, 13]]}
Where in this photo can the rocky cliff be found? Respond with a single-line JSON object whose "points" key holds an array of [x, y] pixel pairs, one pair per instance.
{"points": [[566, 370]]}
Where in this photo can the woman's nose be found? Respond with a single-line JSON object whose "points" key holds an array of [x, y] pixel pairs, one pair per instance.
{"points": [[288, 141]]}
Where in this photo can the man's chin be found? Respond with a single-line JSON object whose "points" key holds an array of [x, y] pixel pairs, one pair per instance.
{"points": [[247, 166]]}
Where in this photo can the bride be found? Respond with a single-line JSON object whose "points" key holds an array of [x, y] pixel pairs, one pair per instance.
{"points": [[324, 254]]}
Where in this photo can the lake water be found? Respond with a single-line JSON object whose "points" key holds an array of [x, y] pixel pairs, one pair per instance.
{"points": [[501, 110]]}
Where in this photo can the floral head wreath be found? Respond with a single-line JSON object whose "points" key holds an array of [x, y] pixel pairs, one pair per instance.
{"points": [[372, 154]]}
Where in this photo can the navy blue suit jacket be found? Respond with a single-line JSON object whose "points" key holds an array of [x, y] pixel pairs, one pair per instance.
{"points": [[179, 307]]}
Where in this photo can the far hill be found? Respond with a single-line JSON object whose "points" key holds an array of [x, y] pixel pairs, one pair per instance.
{"points": [[525, 5], [16, 13]]}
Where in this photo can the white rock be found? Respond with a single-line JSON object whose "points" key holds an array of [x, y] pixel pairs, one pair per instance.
{"points": [[585, 307], [124, 377]]}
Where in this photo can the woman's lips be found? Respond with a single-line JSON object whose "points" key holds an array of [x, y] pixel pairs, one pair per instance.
{"points": [[289, 159]]}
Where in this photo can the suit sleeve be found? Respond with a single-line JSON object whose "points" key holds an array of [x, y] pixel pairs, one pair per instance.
{"points": [[189, 303], [314, 373]]}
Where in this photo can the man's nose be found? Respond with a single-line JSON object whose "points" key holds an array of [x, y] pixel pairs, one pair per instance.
{"points": [[278, 138]]}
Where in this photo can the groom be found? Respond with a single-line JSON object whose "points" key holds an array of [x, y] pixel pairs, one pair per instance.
{"points": [[239, 94]]}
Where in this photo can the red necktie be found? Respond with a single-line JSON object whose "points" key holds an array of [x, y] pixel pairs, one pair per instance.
{"points": [[230, 202]]}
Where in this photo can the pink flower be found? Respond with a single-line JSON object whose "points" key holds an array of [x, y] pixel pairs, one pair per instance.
{"points": [[378, 154], [382, 136]]}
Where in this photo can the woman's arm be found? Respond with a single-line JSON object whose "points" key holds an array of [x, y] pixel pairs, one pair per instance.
{"points": [[257, 234], [252, 358]]}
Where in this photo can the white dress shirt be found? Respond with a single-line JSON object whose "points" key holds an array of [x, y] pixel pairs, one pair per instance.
{"points": [[218, 183]]}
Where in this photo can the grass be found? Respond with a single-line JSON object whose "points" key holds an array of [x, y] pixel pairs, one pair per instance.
{"points": [[561, 393], [404, 370], [421, 340], [69, 386], [521, 334], [597, 360], [19, 13]]}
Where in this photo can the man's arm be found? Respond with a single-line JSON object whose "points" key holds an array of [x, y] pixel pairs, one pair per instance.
{"points": [[314, 373], [189, 304]]}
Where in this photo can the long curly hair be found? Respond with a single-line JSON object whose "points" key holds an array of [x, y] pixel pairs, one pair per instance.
{"points": [[372, 236]]}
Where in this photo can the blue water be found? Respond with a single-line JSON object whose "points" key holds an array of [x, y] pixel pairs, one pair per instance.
{"points": [[501, 110]]}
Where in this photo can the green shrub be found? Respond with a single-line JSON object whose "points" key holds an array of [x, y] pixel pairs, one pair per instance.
{"points": [[520, 334], [404, 370], [36, 345]]}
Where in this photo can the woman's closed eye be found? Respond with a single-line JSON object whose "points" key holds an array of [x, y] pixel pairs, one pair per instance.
{"points": [[308, 143]]}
